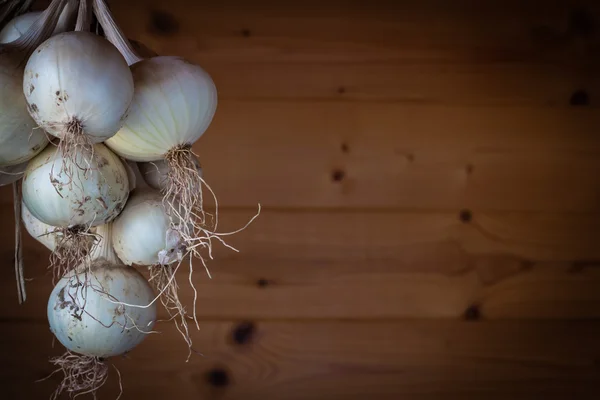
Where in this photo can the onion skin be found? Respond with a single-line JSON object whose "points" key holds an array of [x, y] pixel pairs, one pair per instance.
{"points": [[140, 231], [183, 100], [98, 330], [95, 197], [78, 77], [20, 140]]}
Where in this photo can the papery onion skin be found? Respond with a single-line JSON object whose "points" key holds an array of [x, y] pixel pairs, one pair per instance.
{"points": [[95, 197], [173, 105], [20, 139], [78, 77], [139, 232], [103, 328]]}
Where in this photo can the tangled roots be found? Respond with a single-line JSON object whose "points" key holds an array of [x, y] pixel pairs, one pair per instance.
{"points": [[82, 374], [183, 189], [77, 152], [162, 278], [195, 228], [72, 249]]}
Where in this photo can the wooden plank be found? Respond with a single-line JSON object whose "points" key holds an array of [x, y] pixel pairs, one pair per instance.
{"points": [[421, 83], [322, 154], [341, 360], [381, 265], [313, 31]]}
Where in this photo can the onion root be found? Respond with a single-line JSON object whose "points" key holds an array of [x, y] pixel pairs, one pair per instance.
{"points": [[82, 374]]}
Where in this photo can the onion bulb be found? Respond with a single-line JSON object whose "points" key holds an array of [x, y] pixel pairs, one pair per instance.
{"points": [[92, 196], [89, 196], [20, 137], [17, 26], [156, 173], [12, 174], [142, 233], [78, 88], [67, 248], [100, 310]]}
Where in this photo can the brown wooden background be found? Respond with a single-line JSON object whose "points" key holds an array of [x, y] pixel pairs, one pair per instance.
{"points": [[430, 177]]}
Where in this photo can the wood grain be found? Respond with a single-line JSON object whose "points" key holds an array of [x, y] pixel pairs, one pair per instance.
{"points": [[342, 360], [269, 31]]}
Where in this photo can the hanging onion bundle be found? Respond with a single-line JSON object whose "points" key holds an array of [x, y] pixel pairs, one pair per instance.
{"points": [[98, 311], [183, 100], [105, 110], [94, 195]]}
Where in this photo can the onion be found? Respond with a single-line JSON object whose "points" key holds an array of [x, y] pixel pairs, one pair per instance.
{"points": [[43, 233], [75, 201], [12, 174], [99, 311], [20, 138], [19, 25], [142, 233], [78, 88], [183, 100], [68, 247], [92, 196], [156, 173]]}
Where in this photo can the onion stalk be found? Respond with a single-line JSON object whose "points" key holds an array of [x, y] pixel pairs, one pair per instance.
{"points": [[100, 310]]}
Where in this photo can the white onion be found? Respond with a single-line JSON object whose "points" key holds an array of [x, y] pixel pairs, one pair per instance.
{"points": [[156, 173], [43, 233], [142, 234], [12, 173], [87, 311], [173, 105], [20, 24], [20, 137], [94, 197], [77, 83], [48, 235], [20, 140]]}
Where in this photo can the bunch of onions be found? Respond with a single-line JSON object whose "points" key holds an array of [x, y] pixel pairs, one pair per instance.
{"points": [[97, 143], [183, 98], [99, 310]]}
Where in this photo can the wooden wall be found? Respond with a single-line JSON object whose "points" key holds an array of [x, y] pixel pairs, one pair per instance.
{"points": [[429, 173]]}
